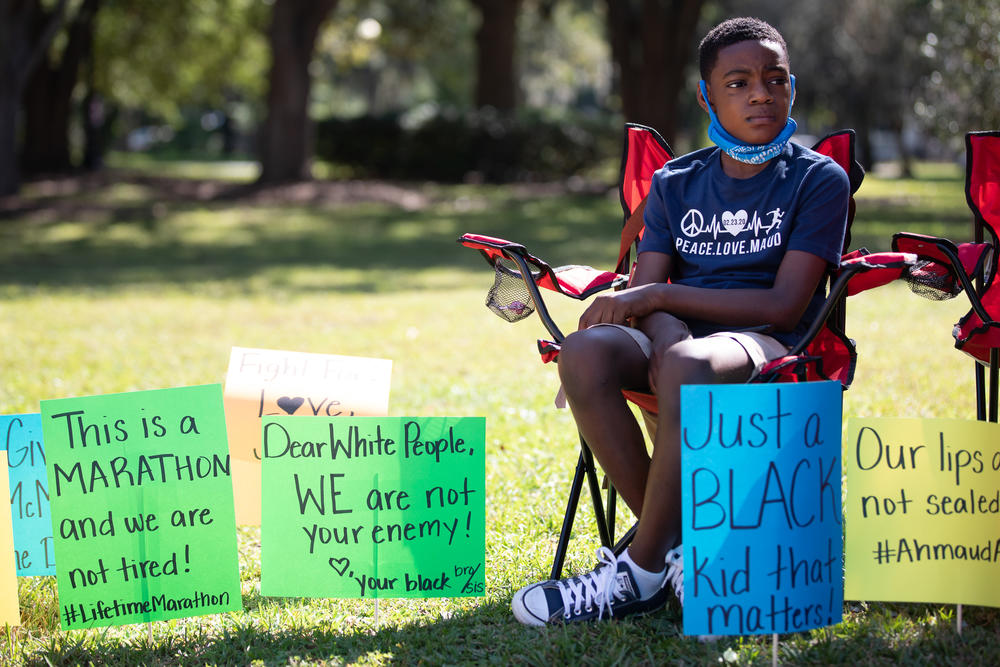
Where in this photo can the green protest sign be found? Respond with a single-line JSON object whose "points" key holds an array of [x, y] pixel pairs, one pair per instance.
{"points": [[373, 507], [142, 506]]}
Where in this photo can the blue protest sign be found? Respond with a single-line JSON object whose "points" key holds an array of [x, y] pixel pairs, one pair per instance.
{"points": [[21, 436], [761, 503]]}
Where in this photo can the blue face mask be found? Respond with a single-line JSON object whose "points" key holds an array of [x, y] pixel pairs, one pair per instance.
{"points": [[740, 150]]}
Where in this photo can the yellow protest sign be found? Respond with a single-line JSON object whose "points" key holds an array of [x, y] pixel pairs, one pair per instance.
{"points": [[9, 612], [922, 511], [263, 383]]}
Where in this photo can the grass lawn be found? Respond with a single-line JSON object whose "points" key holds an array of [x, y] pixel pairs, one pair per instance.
{"points": [[133, 281]]}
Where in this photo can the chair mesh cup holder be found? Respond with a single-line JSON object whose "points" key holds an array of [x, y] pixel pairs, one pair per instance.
{"points": [[509, 298], [932, 281]]}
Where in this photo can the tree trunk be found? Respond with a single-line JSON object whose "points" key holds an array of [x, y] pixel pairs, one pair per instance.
{"points": [[286, 141], [9, 103], [46, 108], [905, 157], [651, 44], [48, 98], [865, 152], [98, 116], [496, 46], [21, 49], [94, 118]]}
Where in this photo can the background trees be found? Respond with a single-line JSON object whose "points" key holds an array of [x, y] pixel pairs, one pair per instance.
{"points": [[26, 30], [286, 136], [958, 89], [496, 39], [252, 75], [48, 92], [652, 45]]}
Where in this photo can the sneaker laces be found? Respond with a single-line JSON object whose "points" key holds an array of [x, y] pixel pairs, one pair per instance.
{"points": [[597, 587], [675, 572]]}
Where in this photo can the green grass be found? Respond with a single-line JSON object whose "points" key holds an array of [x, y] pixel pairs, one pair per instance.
{"points": [[931, 203], [119, 287], [216, 169]]}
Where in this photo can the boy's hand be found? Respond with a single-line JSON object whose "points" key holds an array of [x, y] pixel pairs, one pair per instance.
{"points": [[620, 307]]}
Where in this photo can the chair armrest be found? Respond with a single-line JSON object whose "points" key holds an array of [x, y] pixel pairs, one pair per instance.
{"points": [[579, 282], [856, 274], [964, 262], [513, 264]]}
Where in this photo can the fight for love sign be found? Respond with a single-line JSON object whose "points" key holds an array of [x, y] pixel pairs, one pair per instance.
{"points": [[923, 511], [373, 507], [761, 507], [266, 383]]}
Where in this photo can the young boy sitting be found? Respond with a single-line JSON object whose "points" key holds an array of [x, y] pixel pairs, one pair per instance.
{"points": [[745, 232]]}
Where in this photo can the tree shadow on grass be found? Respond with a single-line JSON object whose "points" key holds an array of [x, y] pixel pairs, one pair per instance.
{"points": [[176, 231], [489, 634], [241, 642], [128, 229], [486, 634]]}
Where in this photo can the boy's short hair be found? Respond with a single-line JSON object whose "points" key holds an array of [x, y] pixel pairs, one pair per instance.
{"points": [[732, 31]]}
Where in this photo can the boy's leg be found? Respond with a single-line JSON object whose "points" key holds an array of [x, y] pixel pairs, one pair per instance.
{"points": [[598, 366], [712, 360], [595, 364]]}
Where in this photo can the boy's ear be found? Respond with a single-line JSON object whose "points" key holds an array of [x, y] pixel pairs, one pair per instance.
{"points": [[702, 102]]}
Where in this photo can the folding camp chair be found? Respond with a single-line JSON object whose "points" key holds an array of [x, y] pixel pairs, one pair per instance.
{"points": [[946, 268], [825, 353]]}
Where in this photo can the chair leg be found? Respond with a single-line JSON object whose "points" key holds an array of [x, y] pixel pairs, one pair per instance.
{"points": [[584, 468], [994, 363], [625, 540], [567, 526], [595, 494], [612, 502], [980, 374]]}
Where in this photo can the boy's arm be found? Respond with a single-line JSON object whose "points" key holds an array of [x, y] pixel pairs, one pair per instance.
{"points": [[781, 305], [650, 268]]}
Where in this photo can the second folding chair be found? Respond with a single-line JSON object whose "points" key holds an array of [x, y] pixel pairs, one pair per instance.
{"points": [[947, 269]]}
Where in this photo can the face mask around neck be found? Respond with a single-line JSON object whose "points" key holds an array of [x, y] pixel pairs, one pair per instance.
{"points": [[740, 150]]}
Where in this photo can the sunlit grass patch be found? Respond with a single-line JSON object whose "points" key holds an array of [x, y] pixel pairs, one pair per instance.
{"points": [[126, 297]]}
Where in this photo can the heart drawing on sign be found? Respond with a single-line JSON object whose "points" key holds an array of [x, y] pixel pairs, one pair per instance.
{"points": [[734, 223], [289, 404], [340, 565]]}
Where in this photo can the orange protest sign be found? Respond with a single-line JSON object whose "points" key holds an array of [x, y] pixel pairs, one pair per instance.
{"points": [[264, 383]]}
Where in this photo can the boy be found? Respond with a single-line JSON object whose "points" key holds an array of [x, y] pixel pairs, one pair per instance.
{"points": [[745, 232]]}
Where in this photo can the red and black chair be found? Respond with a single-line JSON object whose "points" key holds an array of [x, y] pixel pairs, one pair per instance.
{"points": [[947, 269], [825, 352]]}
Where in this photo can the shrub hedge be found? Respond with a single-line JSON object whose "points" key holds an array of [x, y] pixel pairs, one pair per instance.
{"points": [[481, 146]]}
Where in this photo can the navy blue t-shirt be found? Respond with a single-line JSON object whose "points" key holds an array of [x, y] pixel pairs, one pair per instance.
{"points": [[725, 232]]}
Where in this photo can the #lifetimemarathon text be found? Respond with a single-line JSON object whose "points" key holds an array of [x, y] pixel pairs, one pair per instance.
{"points": [[101, 611]]}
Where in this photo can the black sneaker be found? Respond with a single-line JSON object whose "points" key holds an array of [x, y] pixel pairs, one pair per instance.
{"points": [[609, 591]]}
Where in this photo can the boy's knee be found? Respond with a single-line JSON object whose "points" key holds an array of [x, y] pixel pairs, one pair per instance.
{"points": [[582, 352], [595, 356], [573, 347], [679, 365]]}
